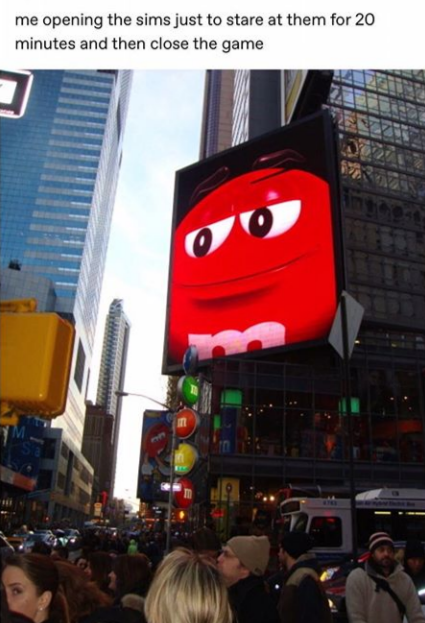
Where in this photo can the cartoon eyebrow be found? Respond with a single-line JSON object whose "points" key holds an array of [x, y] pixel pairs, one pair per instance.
{"points": [[214, 181], [281, 158]]}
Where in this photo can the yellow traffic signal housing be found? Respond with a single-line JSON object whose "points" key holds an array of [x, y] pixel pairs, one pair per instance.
{"points": [[35, 358]]}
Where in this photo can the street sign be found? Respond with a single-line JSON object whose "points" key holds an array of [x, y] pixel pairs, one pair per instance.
{"points": [[355, 313], [165, 486], [15, 87]]}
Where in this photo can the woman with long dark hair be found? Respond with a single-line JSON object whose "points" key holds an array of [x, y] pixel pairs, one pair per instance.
{"points": [[131, 573], [84, 597], [31, 584], [99, 565]]}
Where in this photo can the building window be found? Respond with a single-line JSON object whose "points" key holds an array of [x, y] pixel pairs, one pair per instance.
{"points": [[61, 481], [44, 479], [326, 531], [49, 449]]}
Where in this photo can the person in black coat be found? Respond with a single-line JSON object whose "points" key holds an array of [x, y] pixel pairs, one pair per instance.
{"points": [[302, 598], [414, 564], [242, 564]]}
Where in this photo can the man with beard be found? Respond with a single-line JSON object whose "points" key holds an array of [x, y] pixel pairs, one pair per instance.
{"points": [[382, 592]]}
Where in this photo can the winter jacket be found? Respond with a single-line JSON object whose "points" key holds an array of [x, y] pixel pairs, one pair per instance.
{"points": [[251, 602], [132, 548], [302, 599], [367, 603]]}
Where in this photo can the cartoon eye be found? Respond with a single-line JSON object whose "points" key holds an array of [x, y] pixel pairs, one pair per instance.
{"points": [[207, 239], [271, 221]]}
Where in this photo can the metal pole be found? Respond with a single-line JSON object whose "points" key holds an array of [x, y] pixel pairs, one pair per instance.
{"points": [[347, 384], [122, 394], [171, 492]]}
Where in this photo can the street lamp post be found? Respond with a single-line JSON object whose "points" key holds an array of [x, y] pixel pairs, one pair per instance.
{"points": [[123, 394]]}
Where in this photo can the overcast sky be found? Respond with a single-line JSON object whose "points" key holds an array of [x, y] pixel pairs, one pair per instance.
{"points": [[162, 135]]}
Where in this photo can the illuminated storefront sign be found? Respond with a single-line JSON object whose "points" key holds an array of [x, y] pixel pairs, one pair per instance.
{"points": [[184, 458], [186, 423], [253, 259], [185, 497]]}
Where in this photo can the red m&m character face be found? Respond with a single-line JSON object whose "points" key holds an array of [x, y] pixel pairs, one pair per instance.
{"points": [[253, 266]]}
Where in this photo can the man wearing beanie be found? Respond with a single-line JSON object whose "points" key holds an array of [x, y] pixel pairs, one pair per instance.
{"points": [[302, 598], [414, 563], [382, 592], [242, 564]]}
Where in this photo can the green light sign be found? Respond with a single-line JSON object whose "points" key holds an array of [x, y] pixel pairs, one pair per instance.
{"points": [[354, 404], [231, 398]]}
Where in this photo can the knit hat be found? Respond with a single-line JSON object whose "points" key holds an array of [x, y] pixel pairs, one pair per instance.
{"points": [[379, 538], [296, 543], [414, 549], [252, 551]]}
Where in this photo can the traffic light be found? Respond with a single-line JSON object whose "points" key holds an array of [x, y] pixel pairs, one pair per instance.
{"points": [[35, 360]]}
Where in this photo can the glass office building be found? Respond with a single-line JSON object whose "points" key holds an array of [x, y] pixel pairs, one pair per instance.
{"points": [[284, 421], [59, 170]]}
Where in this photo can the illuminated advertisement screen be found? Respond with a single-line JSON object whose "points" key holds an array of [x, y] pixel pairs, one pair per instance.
{"points": [[252, 263], [15, 87]]}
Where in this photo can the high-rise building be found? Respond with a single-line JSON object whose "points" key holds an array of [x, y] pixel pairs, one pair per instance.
{"points": [[287, 422], [97, 447], [59, 169], [217, 118], [237, 105], [112, 370]]}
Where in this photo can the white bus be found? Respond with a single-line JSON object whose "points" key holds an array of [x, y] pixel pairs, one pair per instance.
{"points": [[400, 512]]}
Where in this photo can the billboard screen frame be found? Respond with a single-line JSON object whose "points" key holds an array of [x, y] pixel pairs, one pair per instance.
{"points": [[187, 179], [15, 108]]}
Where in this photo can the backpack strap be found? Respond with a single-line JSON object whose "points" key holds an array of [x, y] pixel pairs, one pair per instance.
{"points": [[381, 583]]}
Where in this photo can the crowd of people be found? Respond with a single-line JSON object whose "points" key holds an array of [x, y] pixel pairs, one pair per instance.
{"points": [[201, 581]]}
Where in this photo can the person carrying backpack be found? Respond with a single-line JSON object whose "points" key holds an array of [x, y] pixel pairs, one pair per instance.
{"points": [[381, 592], [302, 598]]}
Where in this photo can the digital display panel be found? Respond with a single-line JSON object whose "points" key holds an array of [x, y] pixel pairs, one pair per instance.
{"points": [[15, 87], [252, 263]]}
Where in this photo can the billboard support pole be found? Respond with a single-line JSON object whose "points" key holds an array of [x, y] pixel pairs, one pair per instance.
{"points": [[171, 492]]}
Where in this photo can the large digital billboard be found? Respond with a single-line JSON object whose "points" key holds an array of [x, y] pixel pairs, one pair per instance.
{"points": [[252, 263]]}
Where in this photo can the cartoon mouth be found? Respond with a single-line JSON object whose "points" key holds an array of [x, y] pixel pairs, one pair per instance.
{"points": [[231, 341], [242, 283]]}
